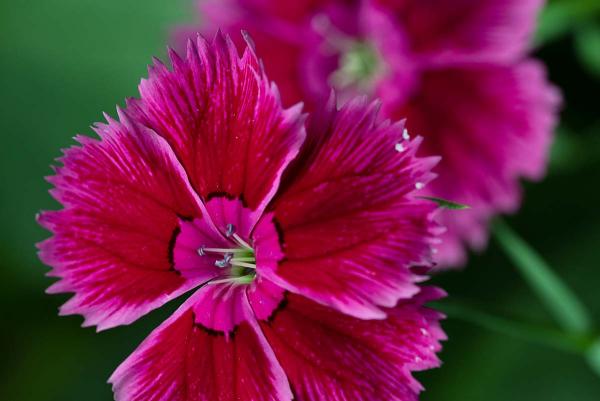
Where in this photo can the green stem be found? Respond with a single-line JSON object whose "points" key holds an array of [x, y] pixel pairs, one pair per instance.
{"points": [[574, 343], [560, 300]]}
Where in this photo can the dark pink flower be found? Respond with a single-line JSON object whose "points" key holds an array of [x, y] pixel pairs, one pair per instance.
{"points": [[455, 69], [303, 245]]}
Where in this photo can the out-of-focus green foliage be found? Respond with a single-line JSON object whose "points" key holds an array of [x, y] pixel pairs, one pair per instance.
{"points": [[63, 62], [564, 305], [588, 47], [561, 17]]}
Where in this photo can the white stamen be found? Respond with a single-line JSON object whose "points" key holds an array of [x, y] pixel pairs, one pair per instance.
{"points": [[399, 147], [419, 185], [241, 241], [333, 37], [225, 261], [220, 250], [405, 134], [237, 262], [239, 280]]}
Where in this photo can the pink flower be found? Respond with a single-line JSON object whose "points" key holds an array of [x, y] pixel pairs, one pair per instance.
{"points": [[455, 69], [303, 245]]}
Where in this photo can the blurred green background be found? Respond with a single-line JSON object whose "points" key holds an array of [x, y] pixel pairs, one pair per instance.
{"points": [[63, 62]]}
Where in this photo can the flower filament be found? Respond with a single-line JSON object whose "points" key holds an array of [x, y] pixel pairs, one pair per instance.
{"points": [[239, 260]]}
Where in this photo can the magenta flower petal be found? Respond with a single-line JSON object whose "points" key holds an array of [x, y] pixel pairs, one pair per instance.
{"points": [[223, 119], [286, 41], [288, 11], [512, 111], [450, 32], [122, 198], [207, 181], [350, 223], [331, 356], [184, 361], [398, 51]]}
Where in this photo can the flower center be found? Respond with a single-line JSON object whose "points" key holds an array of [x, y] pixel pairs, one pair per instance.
{"points": [[359, 62], [239, 260], [360, 66]]}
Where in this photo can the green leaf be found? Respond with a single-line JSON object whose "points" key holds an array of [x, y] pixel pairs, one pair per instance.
{"points": [[562, 17], [555, 21], [569, 342], [587, 45], [572, 152], [550, 288], [593, 357], [445, 204]]}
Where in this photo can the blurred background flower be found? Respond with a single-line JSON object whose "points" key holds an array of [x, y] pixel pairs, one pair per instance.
{"points": [[458, 71], [61, 62]]}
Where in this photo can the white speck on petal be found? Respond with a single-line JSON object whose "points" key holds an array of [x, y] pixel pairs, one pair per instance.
{"points": [[419, 185], [399, 147], [405, 134]]}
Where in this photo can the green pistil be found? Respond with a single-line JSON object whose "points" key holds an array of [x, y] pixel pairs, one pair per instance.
{"points": [[239, 263], [359, 67]]}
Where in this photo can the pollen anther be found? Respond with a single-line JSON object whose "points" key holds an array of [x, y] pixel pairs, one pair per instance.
{"points": [[240, 261]]}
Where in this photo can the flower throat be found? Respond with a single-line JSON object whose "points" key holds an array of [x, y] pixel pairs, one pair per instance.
{"points": [[239, 261]]}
